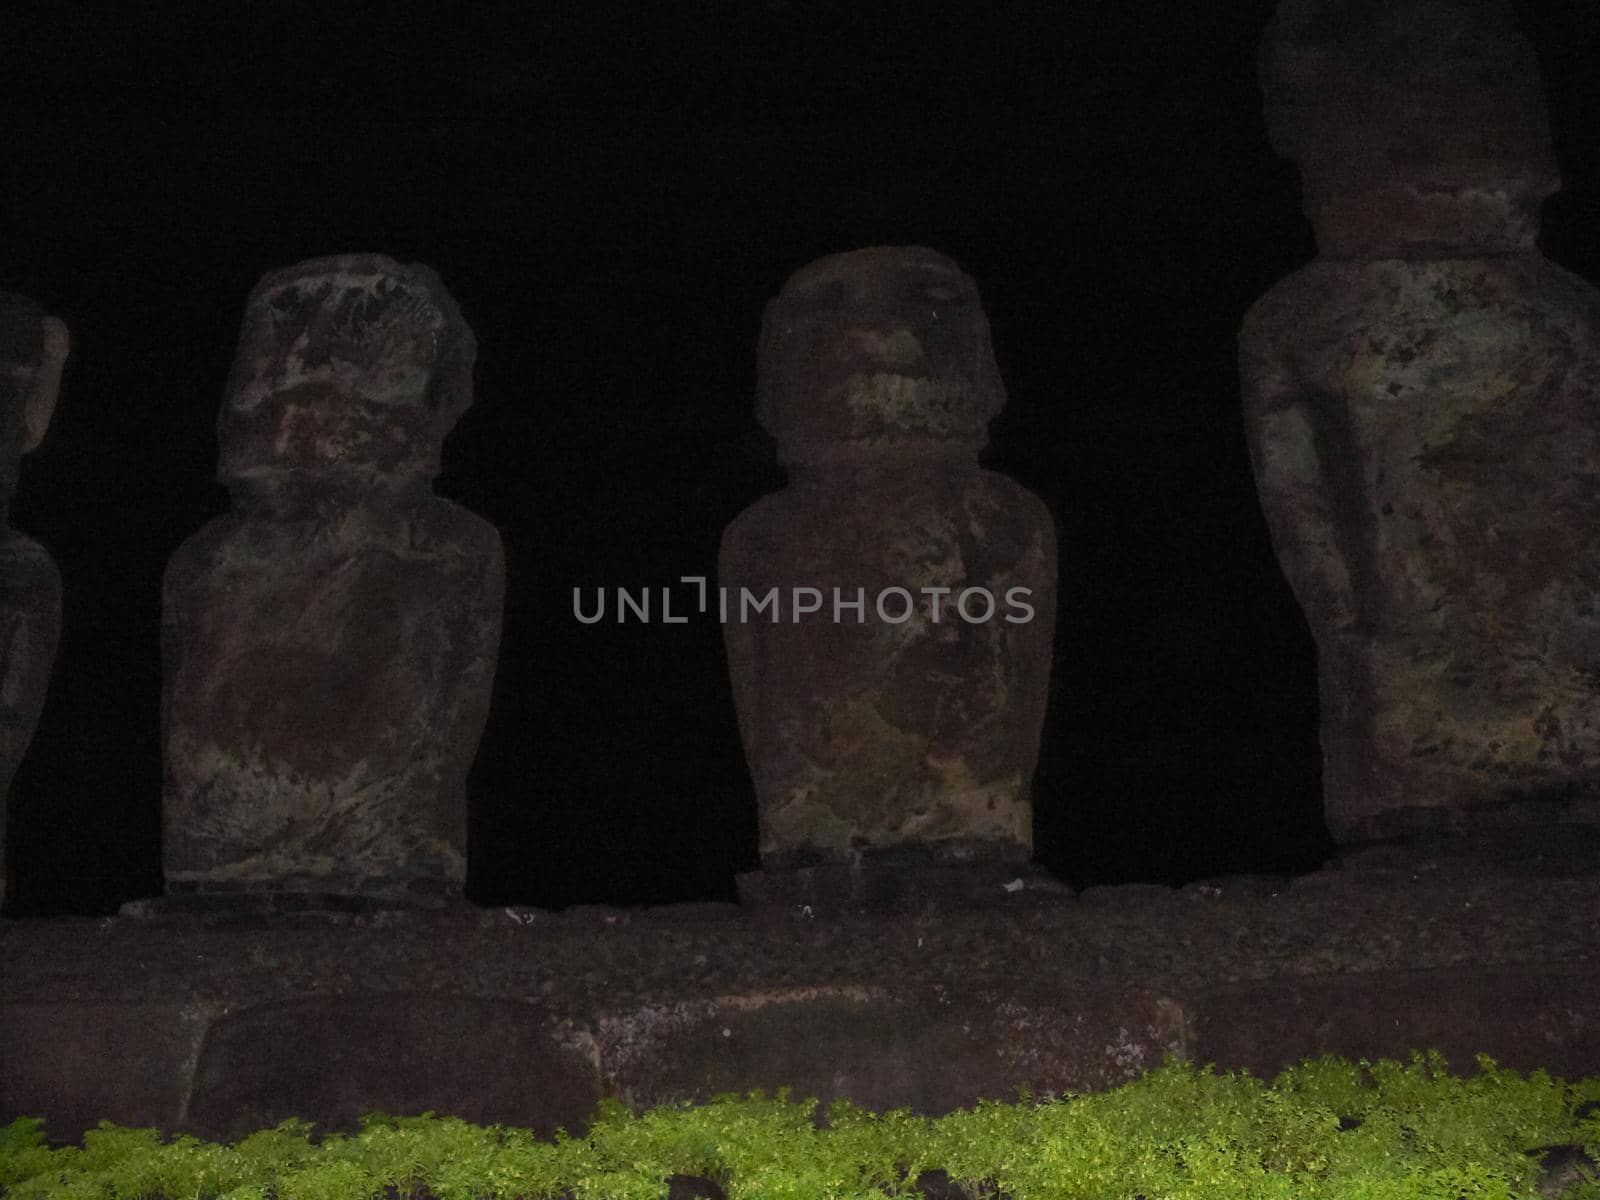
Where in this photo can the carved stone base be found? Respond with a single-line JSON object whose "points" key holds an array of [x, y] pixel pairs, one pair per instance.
{"points": [[896, 885], [250, 903], [1565, 850]]}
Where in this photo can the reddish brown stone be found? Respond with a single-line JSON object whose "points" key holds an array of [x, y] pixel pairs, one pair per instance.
{"points": [[492, 1061], [325, 1015], [897, 882], [1525, 1019], [33, 348], [913, 726], [74, 1064], [1417, 125], [1420, 403], [933, 1052], [329, 644]]}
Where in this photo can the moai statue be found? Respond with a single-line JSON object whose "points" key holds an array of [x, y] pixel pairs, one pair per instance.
{"points": [[33, 349], [891, 691], [1421, 402], [329, 644]]}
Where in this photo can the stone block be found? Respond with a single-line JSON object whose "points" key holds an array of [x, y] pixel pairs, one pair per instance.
{"points": [[490, 1061], [933, 1052], [75, 1064], [1523, 1019]]}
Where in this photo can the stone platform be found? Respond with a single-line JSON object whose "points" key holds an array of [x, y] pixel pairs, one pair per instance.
{"points": [[224, 1022]]}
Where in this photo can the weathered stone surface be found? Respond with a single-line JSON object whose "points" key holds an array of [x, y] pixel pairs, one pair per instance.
{"points": [[1530, 851], [932, 1052], [33, 349], [486, 1060], [329, 644], [890, 883], [74, 1064], [913, 722], [1420, 402], [450, 1007], [1129, 897], [1526, 1019], [1419, 127]]}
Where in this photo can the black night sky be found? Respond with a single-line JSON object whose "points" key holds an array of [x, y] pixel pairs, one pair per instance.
{"points": [[612, 192]]}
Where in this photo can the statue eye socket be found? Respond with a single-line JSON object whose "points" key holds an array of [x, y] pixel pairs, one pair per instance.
{"points": [[830, 295], [935, 292]]}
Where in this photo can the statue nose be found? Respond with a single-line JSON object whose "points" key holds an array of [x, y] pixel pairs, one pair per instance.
{"points": [[892, 347]]}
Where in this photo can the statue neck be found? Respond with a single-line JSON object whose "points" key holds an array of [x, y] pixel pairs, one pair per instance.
{"points": [[324, 497], [1411, 222]]}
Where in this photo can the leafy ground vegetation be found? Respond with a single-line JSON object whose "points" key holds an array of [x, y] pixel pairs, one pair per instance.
{"points": [[1327, 1128]]}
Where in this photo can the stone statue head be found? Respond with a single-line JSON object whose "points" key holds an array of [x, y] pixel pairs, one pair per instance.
{"points": [[1412, 121], [33, 349], [879, 347], [353, 367]]}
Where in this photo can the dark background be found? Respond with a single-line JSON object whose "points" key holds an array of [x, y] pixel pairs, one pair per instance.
{"points": [[612, 192]]}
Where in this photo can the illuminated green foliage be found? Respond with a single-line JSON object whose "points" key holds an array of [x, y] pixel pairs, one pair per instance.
{"points": [[1327, 1129]]}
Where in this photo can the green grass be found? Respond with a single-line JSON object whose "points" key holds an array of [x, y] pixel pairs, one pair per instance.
{"points": [[1327, 1128]]}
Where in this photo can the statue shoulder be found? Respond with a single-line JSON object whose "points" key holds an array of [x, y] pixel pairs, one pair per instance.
{"points": [[28, 565], [754, 522], [1287, 306], [451, 522], [198, 553]]}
